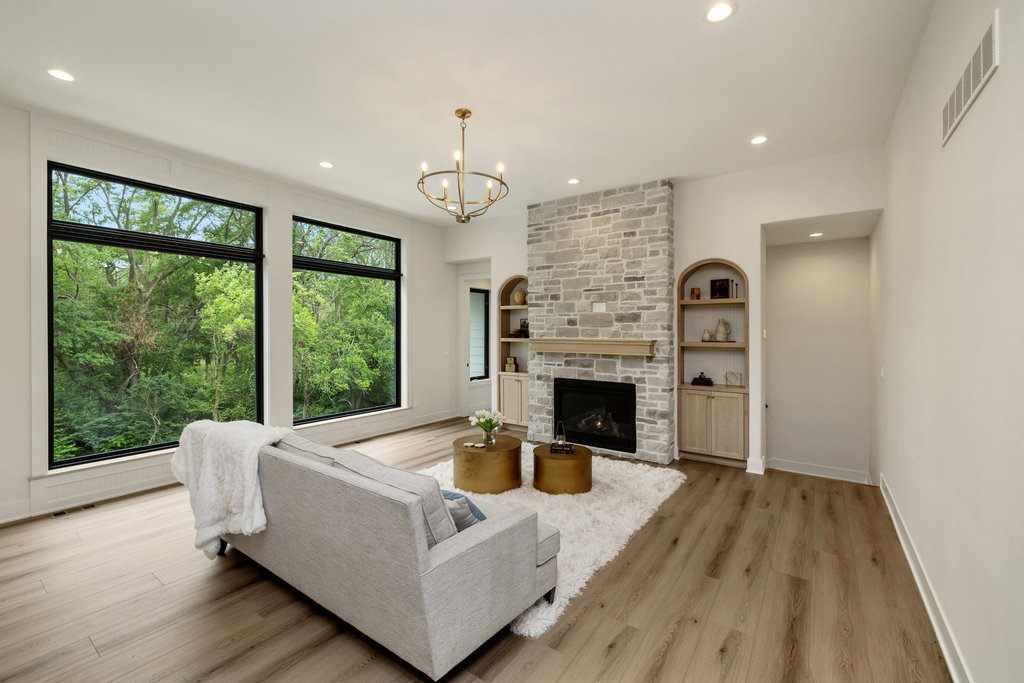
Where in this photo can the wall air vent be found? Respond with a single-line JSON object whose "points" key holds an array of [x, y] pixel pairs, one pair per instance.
{"points": [[979, 70]]}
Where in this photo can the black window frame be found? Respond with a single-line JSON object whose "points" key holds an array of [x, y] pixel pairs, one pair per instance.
{"points": [[487, 331], [67, 231], [342, 268]]}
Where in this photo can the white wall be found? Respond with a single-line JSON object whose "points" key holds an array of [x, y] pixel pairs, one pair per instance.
{"points": [[28, 141], [817, 355], [721, 217], [15, 342], [950, 245]]}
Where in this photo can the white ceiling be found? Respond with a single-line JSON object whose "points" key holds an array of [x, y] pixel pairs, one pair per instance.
{"points": [[839, 226], [611, 92]]}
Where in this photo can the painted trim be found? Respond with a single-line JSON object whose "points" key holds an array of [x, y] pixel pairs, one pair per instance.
{"points": [[814, 470], [354, 427], [81, 486], [950, 649]]}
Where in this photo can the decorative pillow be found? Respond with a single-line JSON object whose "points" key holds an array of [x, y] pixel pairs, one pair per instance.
{"points": [[462, 510]]}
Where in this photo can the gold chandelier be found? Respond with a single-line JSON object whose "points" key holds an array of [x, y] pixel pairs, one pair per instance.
{"points": [[457, 203]]}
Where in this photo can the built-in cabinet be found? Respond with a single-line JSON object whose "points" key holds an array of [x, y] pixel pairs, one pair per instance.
{"points": [[514, 398], [713, 419], [713, 423], [513, 386]]}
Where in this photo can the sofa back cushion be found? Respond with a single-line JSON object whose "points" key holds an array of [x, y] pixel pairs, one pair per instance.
{"points": [[439, 522]]}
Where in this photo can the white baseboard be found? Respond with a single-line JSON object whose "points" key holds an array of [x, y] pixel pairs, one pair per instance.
{"points": [[63, 489], [818, 470], [755, 466], [950, 649]]}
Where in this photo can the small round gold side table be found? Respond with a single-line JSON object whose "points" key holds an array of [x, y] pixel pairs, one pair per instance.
{"points": [[492, 469], [562, 472]]}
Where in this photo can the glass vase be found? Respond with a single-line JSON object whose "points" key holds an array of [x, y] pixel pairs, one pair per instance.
{"points": [[489, 438]]}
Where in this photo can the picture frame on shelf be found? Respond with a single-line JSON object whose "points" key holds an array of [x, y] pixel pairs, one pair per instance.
{"points": [[721, 288]]}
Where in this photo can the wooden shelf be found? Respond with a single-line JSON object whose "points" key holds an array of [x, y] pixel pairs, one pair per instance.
{"points": [[513, 387], [714, 345], [732, 389], [612, 347], [712, 302]]}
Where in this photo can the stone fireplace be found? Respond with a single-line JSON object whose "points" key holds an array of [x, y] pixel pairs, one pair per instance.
{"points": [[600, 267]]}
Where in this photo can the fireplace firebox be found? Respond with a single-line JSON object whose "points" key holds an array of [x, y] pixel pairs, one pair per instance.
{"points": [[601, 414]]}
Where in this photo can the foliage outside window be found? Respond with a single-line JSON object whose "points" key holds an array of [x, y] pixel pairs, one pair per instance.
{"points": [[478, 337], [154, 314], [345, 308]]}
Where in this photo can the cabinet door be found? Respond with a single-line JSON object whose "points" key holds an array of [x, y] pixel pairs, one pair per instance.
{"points": [[524, 401], [508, 398], [727, 437], [693, 421]]}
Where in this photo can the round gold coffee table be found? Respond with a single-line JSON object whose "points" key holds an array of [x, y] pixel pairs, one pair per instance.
{"points": [[492, 469], [562, 472]]}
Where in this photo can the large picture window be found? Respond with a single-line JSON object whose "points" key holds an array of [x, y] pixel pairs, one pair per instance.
{"points": [[345, 289], [154, 303]]}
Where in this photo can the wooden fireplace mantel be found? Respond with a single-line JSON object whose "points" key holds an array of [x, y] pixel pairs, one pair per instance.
{"points": [[610, 347]]}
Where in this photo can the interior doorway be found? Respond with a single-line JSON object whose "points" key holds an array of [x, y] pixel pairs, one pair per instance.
{"points": [[817, 345], [475, 331]]}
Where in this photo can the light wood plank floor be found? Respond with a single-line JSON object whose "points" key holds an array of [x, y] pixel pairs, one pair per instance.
{"points": [[736, 578]]}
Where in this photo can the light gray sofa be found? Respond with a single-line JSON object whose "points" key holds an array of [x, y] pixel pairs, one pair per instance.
{"points": [[377, 546]]}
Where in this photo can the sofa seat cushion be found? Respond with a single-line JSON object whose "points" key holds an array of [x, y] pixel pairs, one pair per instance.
{"points": [[548, 542], [439, 522]]}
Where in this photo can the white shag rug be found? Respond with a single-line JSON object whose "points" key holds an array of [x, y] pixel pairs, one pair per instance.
{"points": [[595, 526]]}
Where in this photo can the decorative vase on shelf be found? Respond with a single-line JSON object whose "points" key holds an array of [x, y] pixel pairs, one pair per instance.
{"points": [[706, 337], [519, 296], [722, 331]]}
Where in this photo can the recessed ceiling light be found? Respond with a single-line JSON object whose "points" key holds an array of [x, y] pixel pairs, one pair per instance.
{"points": [[720, 11], [758, 140], [816, 234], [574, 181], [60, 74], [326, 164]]}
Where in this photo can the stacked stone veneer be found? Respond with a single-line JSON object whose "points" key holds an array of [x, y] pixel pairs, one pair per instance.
{"points": [[614, 248]]}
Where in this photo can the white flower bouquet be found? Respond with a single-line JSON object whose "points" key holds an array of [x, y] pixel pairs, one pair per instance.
{"points": [[487, 420]]}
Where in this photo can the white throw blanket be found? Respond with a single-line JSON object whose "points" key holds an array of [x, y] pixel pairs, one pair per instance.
{"points": [[219, 462]]}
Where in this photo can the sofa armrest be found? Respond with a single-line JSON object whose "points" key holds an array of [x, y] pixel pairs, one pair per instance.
{"points": [[454, 546], [478, 581]]}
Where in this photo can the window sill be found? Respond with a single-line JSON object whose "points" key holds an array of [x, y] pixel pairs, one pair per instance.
{"points": [[87, 466], [348, 418]]}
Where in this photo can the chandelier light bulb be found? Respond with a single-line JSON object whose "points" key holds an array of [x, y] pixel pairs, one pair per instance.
{"points": [[445, 183], [423, 167], [501, 168]]}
